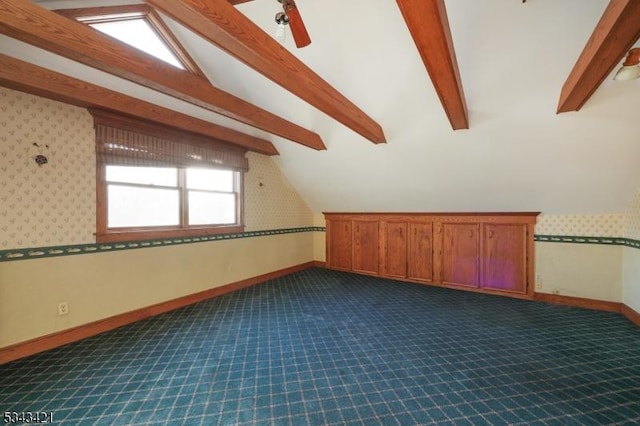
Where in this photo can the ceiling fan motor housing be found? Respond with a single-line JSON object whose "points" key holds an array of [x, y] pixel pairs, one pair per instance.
{"points": [[282, 18]]}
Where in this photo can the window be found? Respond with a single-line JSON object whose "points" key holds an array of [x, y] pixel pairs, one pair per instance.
{"points": [[139, 34], [139, 26], [164, 196], [159, 182]]}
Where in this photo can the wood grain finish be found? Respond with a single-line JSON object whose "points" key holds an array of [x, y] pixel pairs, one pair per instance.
{"points": [[461, 254], [393, 249], [220, 23], [406, 250], [365, 246], [64, 337], [504, 256], [157, 234], [39, 81], [296, 24], [339, 253], [420, 252], [598, 305], [630, 314], [579, 302], [615, 33], [483, 252], [50, 31], [93, 15], [429, 26]]}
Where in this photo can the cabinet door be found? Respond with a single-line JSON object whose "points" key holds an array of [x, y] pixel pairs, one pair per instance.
{"points": [[420, 252], [460, 254], [504, 265], [365, 246], [339, 248], [393, 249]]}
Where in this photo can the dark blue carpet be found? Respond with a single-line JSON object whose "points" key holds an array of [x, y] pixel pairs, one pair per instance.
{"points": [[323, 347]]}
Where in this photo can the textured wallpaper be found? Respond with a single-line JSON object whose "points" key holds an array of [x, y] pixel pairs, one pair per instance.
{"points": [[602, 225], [632, 219], [52, 204], [270, 200]]}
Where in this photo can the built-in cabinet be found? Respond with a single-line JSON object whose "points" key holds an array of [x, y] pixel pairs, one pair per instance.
{"points": [[340, 244], [406, 250], [419, 252], [489, 252], [460, 256], [365, 246], [504, 257]]}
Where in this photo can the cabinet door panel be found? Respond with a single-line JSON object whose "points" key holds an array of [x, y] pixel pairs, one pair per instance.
{"points": [[420, 252], [339, 248], [504, 257], [394, 249], [460, 254], [365, 246]]}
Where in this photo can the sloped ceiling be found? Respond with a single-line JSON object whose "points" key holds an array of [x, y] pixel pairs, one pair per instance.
{"points": [[518, 154]]}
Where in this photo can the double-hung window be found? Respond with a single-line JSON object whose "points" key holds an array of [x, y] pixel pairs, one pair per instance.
{"points": [[155, 182]]}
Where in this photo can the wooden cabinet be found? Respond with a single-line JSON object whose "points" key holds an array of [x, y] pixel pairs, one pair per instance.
{"points": [[504, 259], [461, 254], [339, 237], [406, 250], [352, 245], [488, 252], [393, 249], [487, 256], [365, 246], [420, 252]]}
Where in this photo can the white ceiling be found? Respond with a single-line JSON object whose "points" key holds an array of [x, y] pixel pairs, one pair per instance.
{"points": [[518, 153]]}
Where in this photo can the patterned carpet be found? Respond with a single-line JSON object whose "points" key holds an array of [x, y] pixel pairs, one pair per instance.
{"points": [[323, 347]]}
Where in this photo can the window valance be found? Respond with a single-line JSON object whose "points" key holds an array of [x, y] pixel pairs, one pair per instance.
{"points": [[122, 141]]}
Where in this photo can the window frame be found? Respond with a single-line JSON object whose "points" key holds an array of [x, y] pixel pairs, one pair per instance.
{"points": [[104, 14], [134, 125], [105, 234]]}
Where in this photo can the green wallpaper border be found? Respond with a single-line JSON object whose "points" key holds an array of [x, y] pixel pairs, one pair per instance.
{"points": [[580, 240], [54, 251], [70, 250], [572, 239]]}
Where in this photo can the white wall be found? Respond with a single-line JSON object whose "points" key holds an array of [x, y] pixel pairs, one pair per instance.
{"points": [[589, 271], [631, 290], [592, 271]]}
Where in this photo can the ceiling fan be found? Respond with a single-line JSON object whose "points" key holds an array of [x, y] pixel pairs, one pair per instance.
{"points": [[291, 16]]}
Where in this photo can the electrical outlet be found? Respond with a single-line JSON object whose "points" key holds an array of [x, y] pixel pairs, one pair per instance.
{"points": [[63, 308]]}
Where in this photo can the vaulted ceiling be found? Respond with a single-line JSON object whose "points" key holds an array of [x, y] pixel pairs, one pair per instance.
{"points": [[475, 100]]}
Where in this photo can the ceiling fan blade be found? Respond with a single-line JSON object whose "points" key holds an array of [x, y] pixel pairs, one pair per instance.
{"points": [[298, 30]]}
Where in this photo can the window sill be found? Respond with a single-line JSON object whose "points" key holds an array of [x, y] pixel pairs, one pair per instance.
{"points": [[156, 234]]}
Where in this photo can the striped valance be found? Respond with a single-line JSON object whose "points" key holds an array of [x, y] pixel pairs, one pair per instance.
{"points": [[118, 142]]}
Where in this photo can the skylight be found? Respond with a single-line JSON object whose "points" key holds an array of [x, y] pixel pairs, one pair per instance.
{"points": [[139, 26], [139, 34]]}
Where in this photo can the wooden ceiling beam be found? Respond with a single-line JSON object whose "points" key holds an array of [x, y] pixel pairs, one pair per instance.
{"points": [[429, 26], [26, 77], [220, 23], [615, 33], [25, 21]]}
